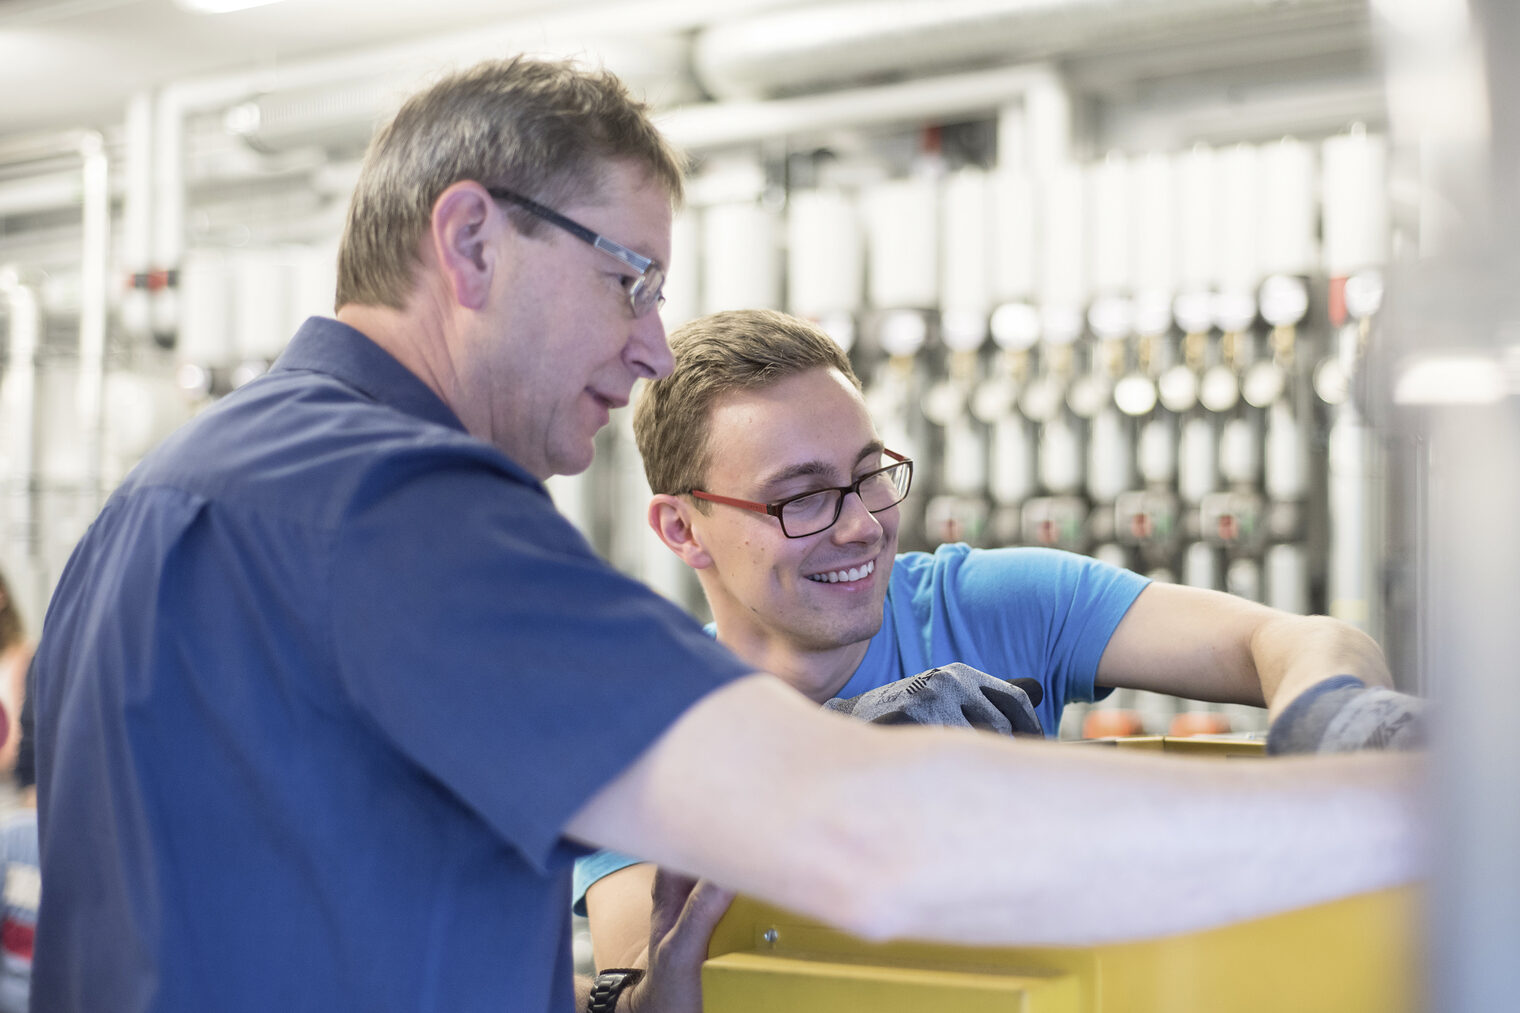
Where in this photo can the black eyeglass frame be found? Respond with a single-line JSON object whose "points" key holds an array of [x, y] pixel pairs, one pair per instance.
{"points": [[775, 509], [651, 276]]}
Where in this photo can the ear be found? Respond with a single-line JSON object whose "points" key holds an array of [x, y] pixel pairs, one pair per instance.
{"points": [[670, 517], [461, 229]]}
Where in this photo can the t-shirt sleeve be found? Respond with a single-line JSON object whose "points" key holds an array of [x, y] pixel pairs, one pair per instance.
{"points": [[1054, 611], [595, 866], [480, 633]]}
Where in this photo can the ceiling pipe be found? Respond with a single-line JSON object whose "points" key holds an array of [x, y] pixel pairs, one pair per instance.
{"points": [[829, 44], [727, 124], [384, 77]]}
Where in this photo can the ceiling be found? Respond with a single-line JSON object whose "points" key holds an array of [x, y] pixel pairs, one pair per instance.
{"points": [[74, 63], [69, 64]]}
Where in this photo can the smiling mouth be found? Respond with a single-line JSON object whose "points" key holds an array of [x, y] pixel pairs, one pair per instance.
{"points": [[843, 576]]}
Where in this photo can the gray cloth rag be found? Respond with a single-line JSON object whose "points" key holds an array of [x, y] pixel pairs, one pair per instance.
{"points": [[1342, 715], [953, 694]]}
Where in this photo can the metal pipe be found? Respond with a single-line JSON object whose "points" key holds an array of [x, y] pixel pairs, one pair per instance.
{"points": [[18, 541], [732, 123], [94, 261], [818, 44], [39, 147], [137, 213]]}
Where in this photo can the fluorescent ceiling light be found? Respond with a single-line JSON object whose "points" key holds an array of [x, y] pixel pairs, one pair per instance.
{"points": [[222, 6]]}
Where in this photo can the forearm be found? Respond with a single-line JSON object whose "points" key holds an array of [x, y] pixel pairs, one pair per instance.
{"points": [[1103, 846], [962, 837], [1292, 653], [618, 907]]}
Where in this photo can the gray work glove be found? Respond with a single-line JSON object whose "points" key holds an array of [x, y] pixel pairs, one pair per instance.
{"points": [[953, 694], [1343, 714]]}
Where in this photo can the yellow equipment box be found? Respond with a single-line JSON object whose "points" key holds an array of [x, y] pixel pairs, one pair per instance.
{"points": [[1356, 955]]}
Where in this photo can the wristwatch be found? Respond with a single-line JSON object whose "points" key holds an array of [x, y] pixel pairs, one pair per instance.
{"points": [[609, 984]]}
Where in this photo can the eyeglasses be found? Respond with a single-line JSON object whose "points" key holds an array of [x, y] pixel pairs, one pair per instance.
{"points": [[645, 293], [816, 511]]}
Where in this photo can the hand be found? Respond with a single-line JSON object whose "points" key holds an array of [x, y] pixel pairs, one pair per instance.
{"points": [[1293, 654], [1341, 715], [685, 913], [953, 694]]}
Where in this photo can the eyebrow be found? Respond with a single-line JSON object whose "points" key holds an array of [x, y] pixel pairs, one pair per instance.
{"points": [[817, 468]]}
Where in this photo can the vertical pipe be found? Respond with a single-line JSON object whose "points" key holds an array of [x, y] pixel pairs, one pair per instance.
{"points": [[94, 262], [137, 212], [168, 209], [20, 487], [1356, 228]]}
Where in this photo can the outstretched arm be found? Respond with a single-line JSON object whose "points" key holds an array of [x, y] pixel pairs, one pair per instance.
{"points": [[873, 829], [1206, 645]]}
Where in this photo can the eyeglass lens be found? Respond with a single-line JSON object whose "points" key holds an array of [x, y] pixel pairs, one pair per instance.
{"points": [[808, 515], [647, 291]]}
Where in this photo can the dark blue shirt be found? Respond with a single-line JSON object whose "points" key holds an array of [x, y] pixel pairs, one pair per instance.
{"points": [[316, 694]]}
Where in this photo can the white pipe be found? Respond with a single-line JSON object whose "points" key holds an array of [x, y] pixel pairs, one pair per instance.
{"points": [[94, 263], [1110, 187], [36, 147], [406, 65], [1050, 124], [1355, 492], [137, 156], [732, 123], [167, 242], [35, 193], [137, 211], [20, 387], [822, 43]]}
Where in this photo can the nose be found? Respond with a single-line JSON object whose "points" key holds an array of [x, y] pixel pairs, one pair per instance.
{"points": [[648, 353], [856, 523]]}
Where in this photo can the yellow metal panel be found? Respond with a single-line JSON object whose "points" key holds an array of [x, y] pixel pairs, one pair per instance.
{"points": [[1354, 955], [1195, 745], [759, 983], [1214, 745]]}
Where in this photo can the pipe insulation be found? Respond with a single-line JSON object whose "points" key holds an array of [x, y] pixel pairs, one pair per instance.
{"points": [[829, 44]]}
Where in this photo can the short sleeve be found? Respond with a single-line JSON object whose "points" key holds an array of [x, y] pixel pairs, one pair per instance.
{"points": [[595, 866], [1011, 612], [1057, 608], [479, 632]]}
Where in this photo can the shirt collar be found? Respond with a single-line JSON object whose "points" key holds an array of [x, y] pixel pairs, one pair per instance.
{"points": [[324, 345]]}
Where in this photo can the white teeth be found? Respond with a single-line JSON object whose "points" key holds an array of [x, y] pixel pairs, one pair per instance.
{"points": [[835, 576]]}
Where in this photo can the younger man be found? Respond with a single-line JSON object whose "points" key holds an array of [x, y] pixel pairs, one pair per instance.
{"points": [[771, 482]]}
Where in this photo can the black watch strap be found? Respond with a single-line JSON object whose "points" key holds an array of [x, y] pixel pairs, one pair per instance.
{"points": [[609, 984]]}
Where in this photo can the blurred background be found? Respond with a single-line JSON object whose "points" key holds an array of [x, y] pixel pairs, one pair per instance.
{"points": [[1219, 290]]}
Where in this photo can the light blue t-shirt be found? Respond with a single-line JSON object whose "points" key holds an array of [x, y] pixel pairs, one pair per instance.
{"points": [[1014, 612]]}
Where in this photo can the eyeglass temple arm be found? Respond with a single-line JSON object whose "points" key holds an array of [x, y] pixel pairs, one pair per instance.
{"points": [[746, 504], [548, 214]]}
